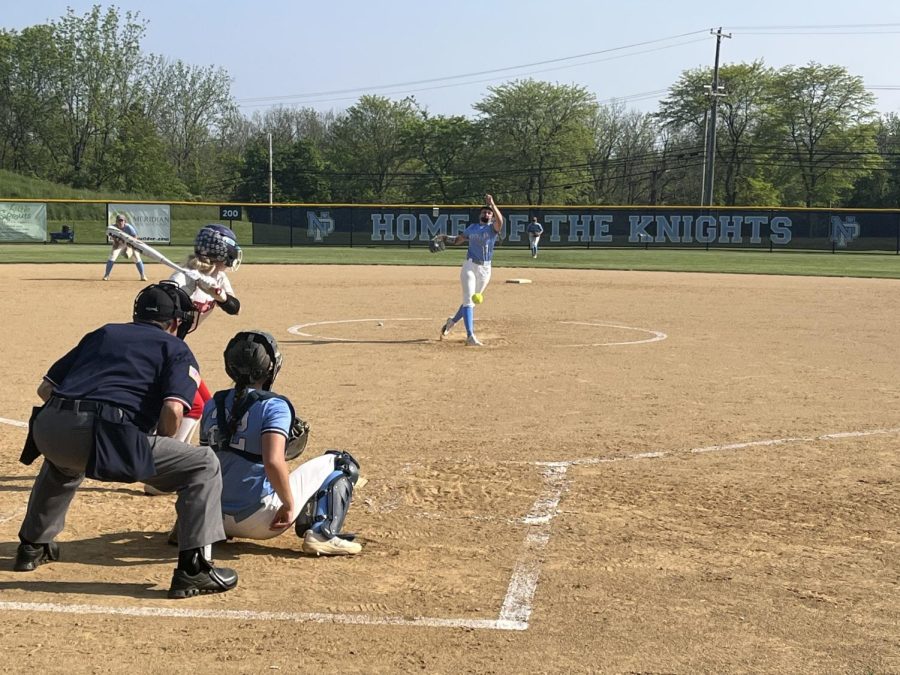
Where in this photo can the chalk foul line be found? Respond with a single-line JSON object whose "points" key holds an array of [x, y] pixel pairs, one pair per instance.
{"points": [[516, 609]]}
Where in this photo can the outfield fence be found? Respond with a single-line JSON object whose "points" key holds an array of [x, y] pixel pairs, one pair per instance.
{"points": [[368, 225]]}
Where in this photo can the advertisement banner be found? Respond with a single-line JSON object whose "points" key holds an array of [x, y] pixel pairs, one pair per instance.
{"points": [[23, 222], [153, 222]]}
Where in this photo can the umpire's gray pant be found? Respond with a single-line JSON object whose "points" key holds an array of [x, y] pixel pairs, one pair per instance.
{"points": [[66, 438]]}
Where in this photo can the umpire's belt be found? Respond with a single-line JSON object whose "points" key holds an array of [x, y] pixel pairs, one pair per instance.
{"points": [[478, 261], [84, 406]]}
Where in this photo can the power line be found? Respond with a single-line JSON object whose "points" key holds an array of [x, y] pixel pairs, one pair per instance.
{"points": [[473, 74]]}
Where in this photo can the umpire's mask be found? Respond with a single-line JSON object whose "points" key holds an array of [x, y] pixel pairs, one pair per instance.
{"points": [[163, 302]]}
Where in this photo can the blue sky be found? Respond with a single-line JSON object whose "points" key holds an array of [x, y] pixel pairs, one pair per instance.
{"points": [[279, 51]]}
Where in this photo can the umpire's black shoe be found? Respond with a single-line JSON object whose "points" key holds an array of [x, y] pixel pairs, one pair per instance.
{"points": [[31, 556], [213, 580]]}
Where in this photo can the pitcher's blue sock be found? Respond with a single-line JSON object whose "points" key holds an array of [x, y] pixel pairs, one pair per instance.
{"points": [[469, 318], [109, 266], [459, 314]]}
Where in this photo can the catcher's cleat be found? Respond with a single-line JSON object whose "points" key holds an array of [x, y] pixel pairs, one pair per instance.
{"points": [[473, 341], [315, 543], [31, 556], [446, 328]]}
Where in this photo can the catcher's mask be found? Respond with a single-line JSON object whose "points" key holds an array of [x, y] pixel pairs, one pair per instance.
{"points": [[219, 244], [252, 356], [163, 302]]}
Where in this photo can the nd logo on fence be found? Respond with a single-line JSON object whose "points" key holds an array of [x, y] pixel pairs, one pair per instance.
{"points": [[319, 225], [843, 230]]}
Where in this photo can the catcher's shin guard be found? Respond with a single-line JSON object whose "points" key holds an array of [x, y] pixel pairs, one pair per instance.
{"points": [[326, 510]]}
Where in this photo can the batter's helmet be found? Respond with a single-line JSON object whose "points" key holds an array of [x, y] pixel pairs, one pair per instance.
{"points": [[163, 302], [218, 244], [252, 356]]}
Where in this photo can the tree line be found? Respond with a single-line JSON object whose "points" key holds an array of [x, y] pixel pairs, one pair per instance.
{"points": [[82, 104]]}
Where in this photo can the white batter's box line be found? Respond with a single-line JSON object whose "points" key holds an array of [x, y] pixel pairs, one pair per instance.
{"points": [[14, 423], [514, 615]]}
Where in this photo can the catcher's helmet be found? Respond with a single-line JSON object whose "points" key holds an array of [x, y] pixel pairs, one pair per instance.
{"points": [[163, 302], [252, 356], [218, 244]]}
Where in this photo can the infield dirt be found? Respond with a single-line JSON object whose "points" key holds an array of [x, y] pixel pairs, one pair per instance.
{"points": [[780, 557]]}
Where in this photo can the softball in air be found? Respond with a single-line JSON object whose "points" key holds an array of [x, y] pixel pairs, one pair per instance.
{"points": [[477, 298]]}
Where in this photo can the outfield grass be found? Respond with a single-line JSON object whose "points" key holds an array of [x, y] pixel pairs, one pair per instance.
{"points": [[717, 261]]}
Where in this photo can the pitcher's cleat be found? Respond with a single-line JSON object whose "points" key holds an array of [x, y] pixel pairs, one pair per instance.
{"points": [[473, 341], [446, 328]]}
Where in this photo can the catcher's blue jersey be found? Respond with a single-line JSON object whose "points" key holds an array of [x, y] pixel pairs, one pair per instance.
{"points": [[244, 483], [481, 238]]}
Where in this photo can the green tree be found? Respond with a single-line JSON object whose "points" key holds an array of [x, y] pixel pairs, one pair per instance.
{"points": [[98, 61], [746, 124], [881, 187], [370, 152], [297, 172], [538, 136], [444, 146], [826, 117]]}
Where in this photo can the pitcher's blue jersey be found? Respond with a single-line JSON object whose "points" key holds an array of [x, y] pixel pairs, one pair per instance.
{"points": [[244, 483], [481, 238]]}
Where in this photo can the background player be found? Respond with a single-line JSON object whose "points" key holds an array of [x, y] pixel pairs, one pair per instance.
{"points": [[215, 251], [255, 432], [476, 270], [119, 247], [535, 230]]}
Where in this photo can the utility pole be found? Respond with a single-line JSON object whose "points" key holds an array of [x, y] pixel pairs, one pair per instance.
{"points": [[270, 168], [714, 92]]}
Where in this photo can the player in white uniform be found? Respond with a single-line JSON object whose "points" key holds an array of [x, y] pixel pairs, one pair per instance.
{"points": [[476, 270], [255, 432], [535, 230], [215, 251], [119, 247]]}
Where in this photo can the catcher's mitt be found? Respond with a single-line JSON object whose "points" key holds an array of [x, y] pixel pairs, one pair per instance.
{"points": [[437, 244]]}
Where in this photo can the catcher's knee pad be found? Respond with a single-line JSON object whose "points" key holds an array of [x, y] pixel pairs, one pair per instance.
{"points": [[325, 511]]}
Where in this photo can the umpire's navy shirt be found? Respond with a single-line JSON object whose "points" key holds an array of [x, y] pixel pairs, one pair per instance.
{"points": [[134, 366]]}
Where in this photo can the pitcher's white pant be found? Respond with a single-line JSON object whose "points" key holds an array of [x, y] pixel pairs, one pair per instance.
{"points": [[474, 279], [306, 479]]}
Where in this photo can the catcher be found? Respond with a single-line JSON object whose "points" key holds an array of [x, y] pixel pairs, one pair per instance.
{"points": [[255, 433]]}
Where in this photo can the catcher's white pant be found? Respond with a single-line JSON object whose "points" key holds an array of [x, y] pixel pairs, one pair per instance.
{"points": [[306, 480], [474, 279], [117, 250]]}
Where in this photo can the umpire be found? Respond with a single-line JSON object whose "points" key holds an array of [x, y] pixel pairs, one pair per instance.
{"points": [[102, 401]]}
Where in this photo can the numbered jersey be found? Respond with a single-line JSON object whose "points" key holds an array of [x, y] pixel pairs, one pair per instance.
{"points": [[244, 482], [203, 301]]}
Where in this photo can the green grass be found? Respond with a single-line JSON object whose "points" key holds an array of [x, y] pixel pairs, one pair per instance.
{"points": [[714, 261]]}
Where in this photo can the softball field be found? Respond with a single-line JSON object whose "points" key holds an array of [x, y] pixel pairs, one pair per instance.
{"points": [[639, 472]]}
